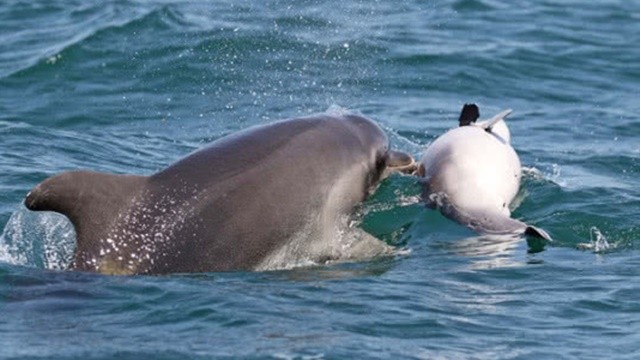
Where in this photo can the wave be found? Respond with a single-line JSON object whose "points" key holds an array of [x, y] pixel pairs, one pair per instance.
{"points": [[38, 47]]}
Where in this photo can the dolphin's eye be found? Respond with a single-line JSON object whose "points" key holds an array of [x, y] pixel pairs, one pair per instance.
{"points": [[381, 162]]}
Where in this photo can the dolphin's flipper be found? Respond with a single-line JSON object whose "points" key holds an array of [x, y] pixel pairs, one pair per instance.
{"points": [[469, 114], [88, 199]]}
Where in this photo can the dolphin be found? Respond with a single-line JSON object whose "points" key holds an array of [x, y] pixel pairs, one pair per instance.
{"points": [[259, 199], [472, 174]]}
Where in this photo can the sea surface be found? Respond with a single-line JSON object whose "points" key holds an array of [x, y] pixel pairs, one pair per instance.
{"points": [[129, 87]]}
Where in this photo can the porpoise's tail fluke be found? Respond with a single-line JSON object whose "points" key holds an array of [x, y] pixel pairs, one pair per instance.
{"points": [[537, 233], [88, 199]]}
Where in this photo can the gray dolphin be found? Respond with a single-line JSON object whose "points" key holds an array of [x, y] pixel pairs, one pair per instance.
{"points": [[253, 200]]}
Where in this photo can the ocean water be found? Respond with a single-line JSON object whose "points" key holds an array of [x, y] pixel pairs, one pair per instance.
{"points": [[129, 87]]}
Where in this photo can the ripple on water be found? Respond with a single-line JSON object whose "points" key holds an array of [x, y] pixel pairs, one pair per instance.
{"points": [[130, 87]]}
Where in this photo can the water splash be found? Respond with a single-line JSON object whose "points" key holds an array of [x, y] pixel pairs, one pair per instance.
{"points": [[533, 173], [598, 240], [44, 240], [337, 110], [313, 246], [597, 243], [553, 175], [403, 143]]}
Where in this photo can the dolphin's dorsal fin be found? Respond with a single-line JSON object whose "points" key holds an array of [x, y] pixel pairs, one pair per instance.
{"points": [[88, 199], [488, 124], [469, 114]]}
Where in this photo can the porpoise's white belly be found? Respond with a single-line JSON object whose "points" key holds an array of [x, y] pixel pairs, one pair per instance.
{"points": [[477, 170]]}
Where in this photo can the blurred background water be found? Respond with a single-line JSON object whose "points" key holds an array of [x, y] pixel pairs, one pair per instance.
{"points": [[129, 87]]}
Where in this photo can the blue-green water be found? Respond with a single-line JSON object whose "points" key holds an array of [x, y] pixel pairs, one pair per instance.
{"points": [[131, 87]]}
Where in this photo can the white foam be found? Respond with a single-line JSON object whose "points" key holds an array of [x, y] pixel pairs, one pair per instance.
{"points": [[337, 110], [45, 240], [314, 246], [597, 242]]}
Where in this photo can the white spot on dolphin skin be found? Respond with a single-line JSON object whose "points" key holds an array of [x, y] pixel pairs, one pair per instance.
{"points": [[145, 232]]}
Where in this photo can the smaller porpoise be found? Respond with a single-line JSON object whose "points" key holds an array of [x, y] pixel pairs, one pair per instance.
{"points": [[472, 174], [260, 199]]}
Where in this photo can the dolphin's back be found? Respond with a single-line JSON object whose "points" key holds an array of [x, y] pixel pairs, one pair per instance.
{"points": [[227, 206]]}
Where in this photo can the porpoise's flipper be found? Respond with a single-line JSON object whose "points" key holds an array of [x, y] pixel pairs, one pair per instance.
{"points": [[470, 113], [488, 124], [88, 199]]}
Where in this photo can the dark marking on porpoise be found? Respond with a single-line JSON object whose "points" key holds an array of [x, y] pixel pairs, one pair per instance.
{"points": [[469, 114]]}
